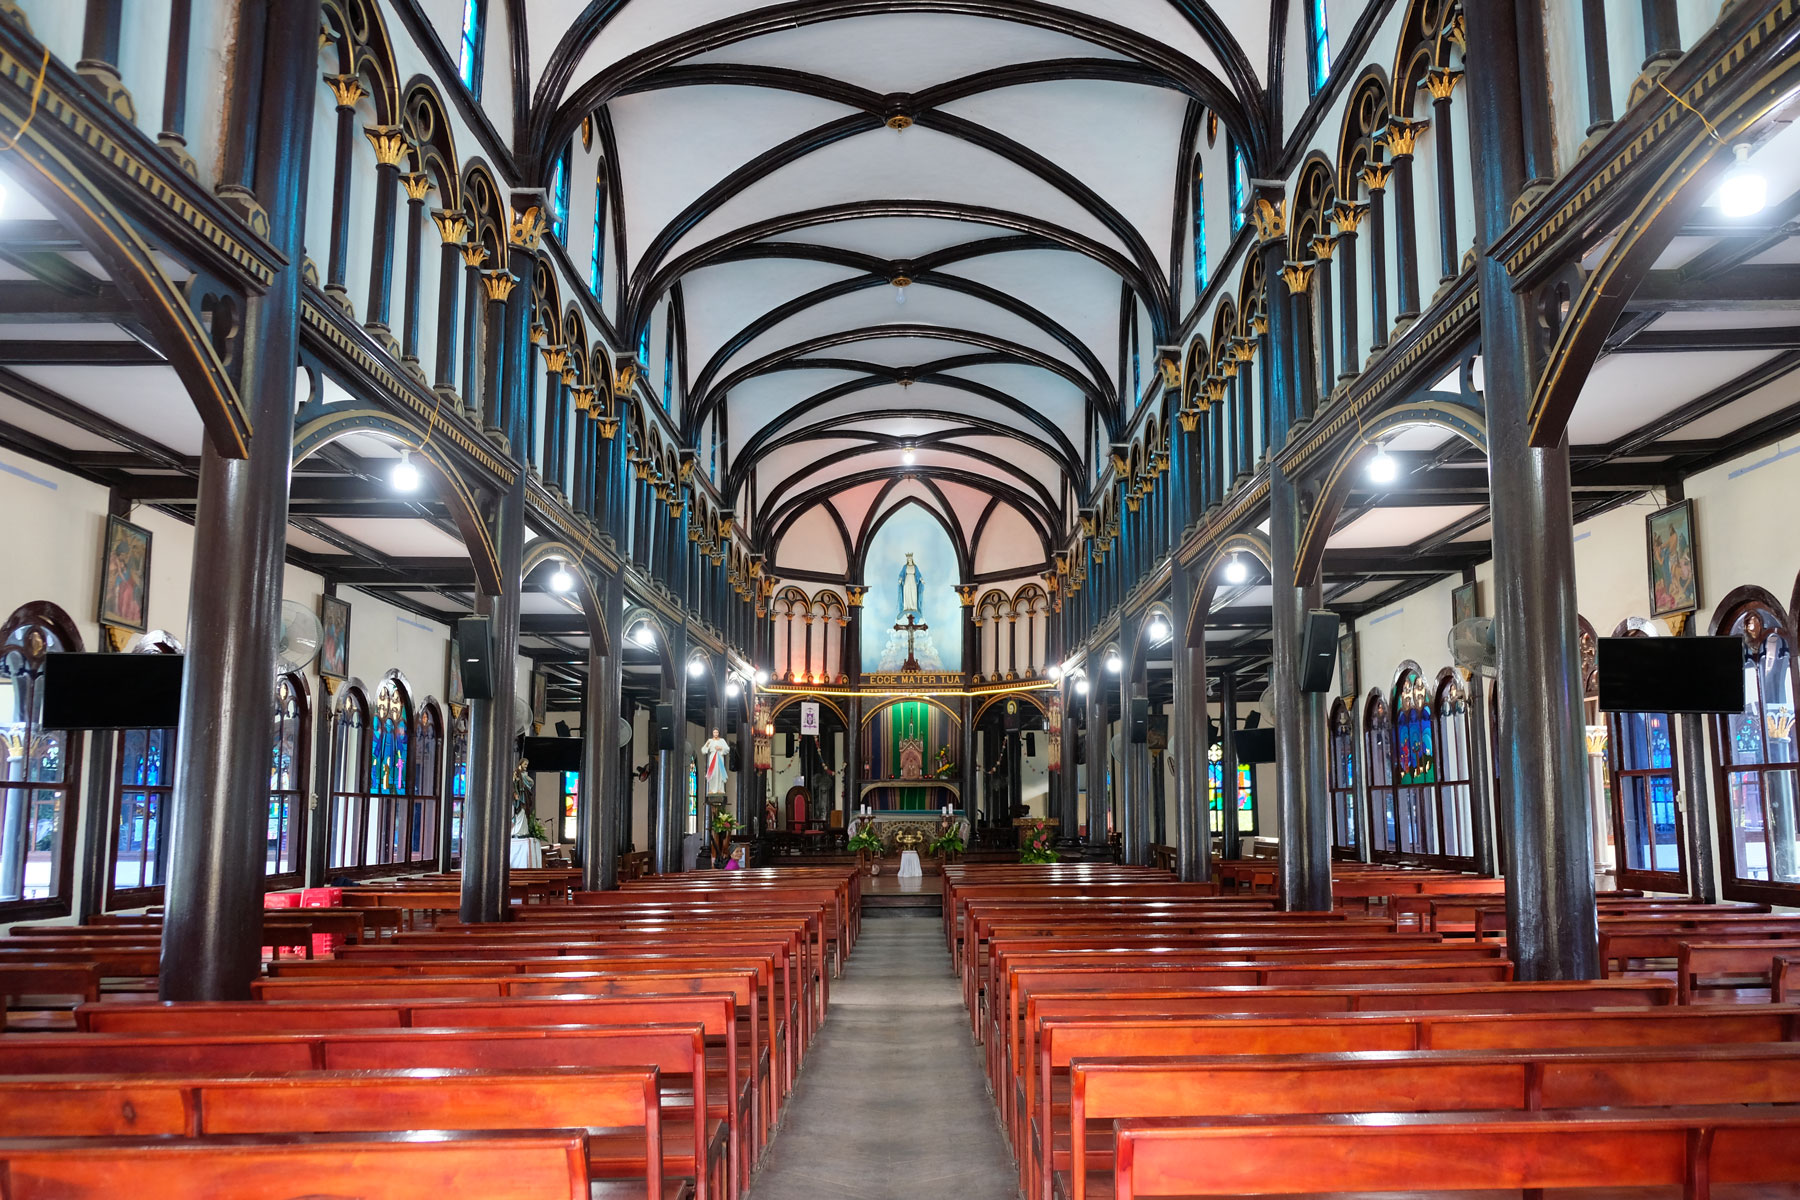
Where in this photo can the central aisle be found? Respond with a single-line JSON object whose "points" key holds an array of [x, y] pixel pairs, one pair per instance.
{"points": [[892, 1102]]}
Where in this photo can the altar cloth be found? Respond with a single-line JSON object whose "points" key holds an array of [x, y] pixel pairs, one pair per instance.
{"points": [[909, 865], [526, 852]]}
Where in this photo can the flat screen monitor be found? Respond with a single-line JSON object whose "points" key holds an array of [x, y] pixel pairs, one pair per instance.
{"points": [[1671, 674], [1255, 745], [551, 753], [112, 691]]}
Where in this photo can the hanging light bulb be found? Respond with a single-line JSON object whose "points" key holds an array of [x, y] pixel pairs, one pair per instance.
{"points": [[644, 635], [405, 476], [1745, 192], [1114, 663], [901, 283], [1055, 673], [909, 456], [696, 667], [1383, 468], [762, 677], [1235, 570], [1081, 687], [733, 688], [1159, 629], [561, 581]]}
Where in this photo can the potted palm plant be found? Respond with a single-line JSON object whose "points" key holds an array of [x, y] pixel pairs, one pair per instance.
{"points": [[948, 844], [865, 843]]}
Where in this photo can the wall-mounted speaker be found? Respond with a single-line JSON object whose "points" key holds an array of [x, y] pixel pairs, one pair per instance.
{"points": [[563, 730], [1140, 720], [1318, 650], [665, 726], [475, 656], [1031, 745], [1254, 719]]}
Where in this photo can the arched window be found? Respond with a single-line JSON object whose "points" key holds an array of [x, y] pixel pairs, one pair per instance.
{"points": [[1199, 226], [428, 773], [1646, 825], [474, 40], [1240, 184], [597, 257], [1378, 757], [459, 781], [1318, 46], [1455, 792], [390, 744], [1215, 792], [37, 767], [1415, 765], [287, 777], [349, 750], [559, 197], [1756, 758], [1343, 774]]}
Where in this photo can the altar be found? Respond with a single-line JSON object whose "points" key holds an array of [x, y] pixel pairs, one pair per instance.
{"points": [[925, 797], [903, 830]]}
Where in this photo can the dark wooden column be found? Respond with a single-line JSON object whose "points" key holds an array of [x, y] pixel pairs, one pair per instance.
{"points": [[602, 783], [474, 325], [1300, 770], [212, 931], [1134, 792], [1097, 753], [1375, 177], [452, 228], [970, 769], [1662, 33], [1293, 377], [1323, 246], [390, 154], [347, 89], [1402, 139], [669, 799], [1599, 68], [1442, 83], [487, 812], [173, 137], [499, 287], [1187, 734], [1551, 920], [418, 186], [1244, 349], [1347, 216]]}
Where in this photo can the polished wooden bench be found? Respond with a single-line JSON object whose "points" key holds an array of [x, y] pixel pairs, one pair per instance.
{"points": [[1690, 1148], [544, 1165], [1750, 963], [1624, 939], [1103, 1090], [620, 1108]]}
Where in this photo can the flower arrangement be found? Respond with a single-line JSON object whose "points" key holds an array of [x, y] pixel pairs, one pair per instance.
{"points": [[1036, 843], [949, 839], [723, 824], [865, 839], [945, 768]]}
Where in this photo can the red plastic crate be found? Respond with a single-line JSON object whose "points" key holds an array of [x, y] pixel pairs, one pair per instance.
{"points": [[281, 899], [325, 897]]}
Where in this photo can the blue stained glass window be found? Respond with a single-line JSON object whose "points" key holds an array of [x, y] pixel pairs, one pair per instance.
{"points": [[1199, 226], [474, 38], [668, 388], [387, 753], [1240, 185], [1137, 357], [559, 198], [1318, 45], [597, 259], [643, 354]]}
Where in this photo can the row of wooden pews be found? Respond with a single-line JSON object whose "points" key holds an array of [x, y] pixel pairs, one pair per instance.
{"points": [[635, 1043], [1144, 1039]]}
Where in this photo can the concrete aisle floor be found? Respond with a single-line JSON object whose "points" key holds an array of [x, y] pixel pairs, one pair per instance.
{"points": [[891, 1102]]}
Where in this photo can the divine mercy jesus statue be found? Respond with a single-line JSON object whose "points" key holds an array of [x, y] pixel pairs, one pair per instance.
{"points": [[716, 757]]}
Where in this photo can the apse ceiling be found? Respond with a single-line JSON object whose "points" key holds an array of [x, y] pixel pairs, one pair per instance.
{"points": [[904, 236]]}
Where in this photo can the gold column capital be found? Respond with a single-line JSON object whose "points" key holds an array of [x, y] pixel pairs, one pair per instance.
{"points": [[1441, 81], [345, 89], [417, 185], [1348, 215], [453, 227], [499, 284], [1298, 276], [1375, 176], [526, 229], [390, 144]]}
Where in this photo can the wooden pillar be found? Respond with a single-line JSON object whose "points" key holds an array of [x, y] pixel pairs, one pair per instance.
{"points": [[390, 152], [1187, 734], [452, 228], [1098, 753], [1442, 83], [1347, 216], [1229, 835], [347, 89], [1402, 139], [173, 137], [1551, 918], [212, 930], [1599, 69], [1375, 177], [417, 186], [603, 786]]}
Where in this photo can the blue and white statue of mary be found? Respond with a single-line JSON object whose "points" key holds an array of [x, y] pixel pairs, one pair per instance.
{"points": [[911, 591]]}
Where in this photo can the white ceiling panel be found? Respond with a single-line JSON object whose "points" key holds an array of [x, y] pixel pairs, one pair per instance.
{"points": [[1625, 392], [1384, 527], [399, 538]]}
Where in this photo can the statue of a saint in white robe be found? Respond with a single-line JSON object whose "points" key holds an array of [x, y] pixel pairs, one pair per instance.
{"points": [[715, 758]]}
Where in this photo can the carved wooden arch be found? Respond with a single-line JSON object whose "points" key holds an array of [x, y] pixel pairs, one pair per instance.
{"points": [[1431, 31], [356, 30], [1740, 598], [1192, 375], [637, 615], [1365, 117], [788, 701], [485, 206], [464, 501], [1669, 202], [1249, 542], [1315, 195], [433, 148], [1252, 287], [931, 700], [1224, 328], [1139, 660], [587, 594], [572, 331], [1022, 697], [1467, 423]]}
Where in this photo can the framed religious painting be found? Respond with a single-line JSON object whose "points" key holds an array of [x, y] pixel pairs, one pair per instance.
{"points": [[453, 681], [334, 642], [1462, 603], [1674, 560], [1347, 663], [125, 575]]}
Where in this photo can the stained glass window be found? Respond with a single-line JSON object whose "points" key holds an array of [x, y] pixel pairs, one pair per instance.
{"points": [[1759, 778], [387, 811], [1343, 775], [1415, 766], [1641, 749], [1215, 789], [474, 40], [146, 769], [1199, 226], [349, 750], [287, 779], [1455, 816], [1240, 184], [1378, 759], [1318, 45], [459, 781], [422, 831], [571, 802], [597, 256], [559, 198]]}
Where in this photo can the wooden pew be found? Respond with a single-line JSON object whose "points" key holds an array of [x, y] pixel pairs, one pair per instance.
{"points": [[543, 1165], [622, 1102], [1755, 959], [1640, 937], [1692, 1148], [1102, 1090]]}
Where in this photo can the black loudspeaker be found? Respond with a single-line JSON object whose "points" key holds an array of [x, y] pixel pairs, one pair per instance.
{"points": [[1140, 720], [1031, 745], [787, 745], [563, 730], [475, 656], [665, 726], [1254, 719], [1318, 650]]}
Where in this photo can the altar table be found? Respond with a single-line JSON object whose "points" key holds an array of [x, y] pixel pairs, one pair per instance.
{"points": [[909, 865]]}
